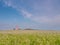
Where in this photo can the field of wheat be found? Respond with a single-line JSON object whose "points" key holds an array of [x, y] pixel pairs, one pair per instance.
{"points": [[29, 37]]}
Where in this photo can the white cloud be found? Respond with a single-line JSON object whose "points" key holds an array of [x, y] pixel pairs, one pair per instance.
{"points": [[48, 20], [26, 14], [9, 3], [42, 19]]}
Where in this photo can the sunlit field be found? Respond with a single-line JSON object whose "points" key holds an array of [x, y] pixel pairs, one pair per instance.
{"points": [[29, 37]]}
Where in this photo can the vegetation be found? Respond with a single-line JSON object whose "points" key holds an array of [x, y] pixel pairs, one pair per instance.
{"points": [[29, 38]]}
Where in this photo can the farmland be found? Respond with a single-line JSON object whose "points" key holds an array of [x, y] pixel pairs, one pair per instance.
{"points": [[29, 37]]}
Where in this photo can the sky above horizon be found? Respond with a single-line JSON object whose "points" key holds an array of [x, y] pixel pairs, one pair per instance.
{"points": [[35, 14]]}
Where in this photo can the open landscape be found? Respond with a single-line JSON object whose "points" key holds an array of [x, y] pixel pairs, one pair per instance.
{"points": [[29, 22], [29, 37]]}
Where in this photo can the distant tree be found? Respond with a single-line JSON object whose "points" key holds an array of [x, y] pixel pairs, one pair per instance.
{"points": [[28, 29], [14, 29], [19, 29]]}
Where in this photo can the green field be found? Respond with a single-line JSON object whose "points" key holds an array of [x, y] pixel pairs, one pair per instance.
{"points": [[29, 37]]}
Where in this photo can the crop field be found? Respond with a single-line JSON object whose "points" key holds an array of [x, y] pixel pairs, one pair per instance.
{"points": [[29, 37]]}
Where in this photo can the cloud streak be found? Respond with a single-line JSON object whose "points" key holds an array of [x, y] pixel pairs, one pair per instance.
{"points": [[26, 14]]}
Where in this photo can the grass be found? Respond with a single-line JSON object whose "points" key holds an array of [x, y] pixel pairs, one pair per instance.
{"points": [[28, 37]]}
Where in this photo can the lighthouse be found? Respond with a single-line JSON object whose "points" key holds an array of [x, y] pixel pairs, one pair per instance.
{"points": [[17, 27]]}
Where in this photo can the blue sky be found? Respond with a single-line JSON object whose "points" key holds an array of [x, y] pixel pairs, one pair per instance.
{"points": [[36, 14]]}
